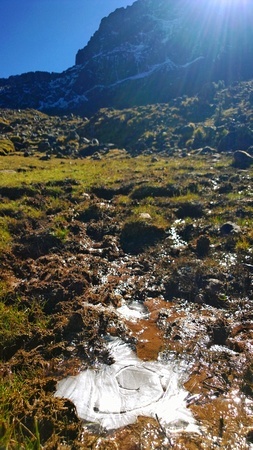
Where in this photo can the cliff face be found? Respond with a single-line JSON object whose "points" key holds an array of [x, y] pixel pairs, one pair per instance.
{"points": [[148, 52]]}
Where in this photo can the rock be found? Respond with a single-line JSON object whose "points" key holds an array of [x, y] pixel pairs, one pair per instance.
{"points": [[203, 245], [214, 285], [88, 150], [19, 143], [96, 156], [242, 159], [73, 136], [210, 132], [5, 127], [27, 153], [51, 139], [145, 216], [43, 146], [187, 131], [250, 150], [141, 39], [207, 151], [240, 139], [85, 141], [229, 227]]}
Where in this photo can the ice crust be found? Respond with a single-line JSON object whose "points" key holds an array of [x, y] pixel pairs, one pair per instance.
{"points": [[115, 395]]}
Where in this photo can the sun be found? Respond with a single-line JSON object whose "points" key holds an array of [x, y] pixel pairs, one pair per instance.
{"points": [[233, 3], [230, 6]]}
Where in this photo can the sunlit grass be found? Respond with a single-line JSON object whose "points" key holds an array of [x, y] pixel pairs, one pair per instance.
{"points": [[157, 215], [111, 170], [58, 197], [14, 434], [186, 198], [13, 323], [5, 235]]}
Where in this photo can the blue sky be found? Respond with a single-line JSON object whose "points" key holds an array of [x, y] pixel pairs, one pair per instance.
{"points": [[46, 34]]}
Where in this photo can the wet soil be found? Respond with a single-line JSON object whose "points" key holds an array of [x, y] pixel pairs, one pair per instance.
{"points": [[192, 277], [197, 294]]}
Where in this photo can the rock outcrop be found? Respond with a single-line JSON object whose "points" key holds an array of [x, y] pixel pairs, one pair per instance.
{"points": [[146, 53]]}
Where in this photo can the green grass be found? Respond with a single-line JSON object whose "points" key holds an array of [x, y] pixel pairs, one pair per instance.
{"points": [[55, 201], [157, 215], [45, 181], [5, 235], [14, 434], [6, 147], [13, 323], [111, 170]]}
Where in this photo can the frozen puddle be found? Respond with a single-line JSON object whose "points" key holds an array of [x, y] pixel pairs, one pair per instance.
{"points": [[115, 395], [133, 311]]}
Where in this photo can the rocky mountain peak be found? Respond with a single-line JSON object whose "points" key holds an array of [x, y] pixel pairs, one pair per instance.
{"points": [[146, 53]]}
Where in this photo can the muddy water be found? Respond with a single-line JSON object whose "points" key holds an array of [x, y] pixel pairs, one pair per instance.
{"points": [[202, 344], [219, 414], [149, 338], [224, 414]]}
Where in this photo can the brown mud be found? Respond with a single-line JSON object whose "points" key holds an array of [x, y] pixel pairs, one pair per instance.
{"points": [[197, 292], [75, 257]]}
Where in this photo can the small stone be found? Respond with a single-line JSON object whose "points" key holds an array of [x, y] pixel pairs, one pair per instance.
{"points": [[145, 216], [229, 227]]}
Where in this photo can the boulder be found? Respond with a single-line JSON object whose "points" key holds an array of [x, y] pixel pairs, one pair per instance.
{"points": [[242, 159], [187, 131], [229, 227], [43, 146], [5, 127], [73, 136], [240, 139]]}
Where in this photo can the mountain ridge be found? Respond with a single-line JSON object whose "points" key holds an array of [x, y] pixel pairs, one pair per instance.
{"points": [[145, 53]]}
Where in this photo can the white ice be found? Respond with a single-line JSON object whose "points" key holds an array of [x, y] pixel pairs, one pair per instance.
{"points": [[115, 395], [133, 311]]}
